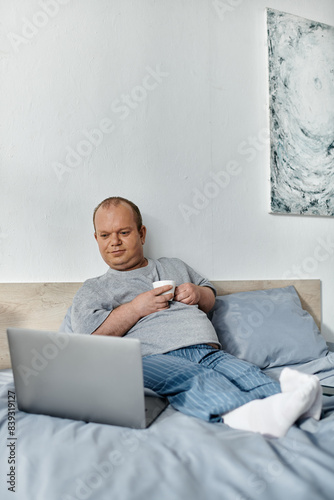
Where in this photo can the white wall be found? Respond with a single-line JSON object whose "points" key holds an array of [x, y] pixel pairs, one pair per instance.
{"points": [[66, 65]]}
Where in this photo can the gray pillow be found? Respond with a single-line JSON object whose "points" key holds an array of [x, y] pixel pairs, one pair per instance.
{"points": [[267, 328], [66, 326]]}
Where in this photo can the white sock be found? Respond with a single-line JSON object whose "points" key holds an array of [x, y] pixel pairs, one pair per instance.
{"points": [[290, 380], [274, 415]]}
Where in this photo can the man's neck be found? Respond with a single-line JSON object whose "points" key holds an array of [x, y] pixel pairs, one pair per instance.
{"points": [[141, 263], [144, 263]]}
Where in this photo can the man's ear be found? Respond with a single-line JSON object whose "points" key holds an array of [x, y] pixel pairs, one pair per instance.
{"points": [[95, 236], [142, 233]]}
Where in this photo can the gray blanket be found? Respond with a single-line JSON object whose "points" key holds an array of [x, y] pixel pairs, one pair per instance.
{"points": [[177, 458]]}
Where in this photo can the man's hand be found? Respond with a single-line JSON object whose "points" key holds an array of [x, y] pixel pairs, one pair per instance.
{"points": [[191, 294], [152, 301], [187, 293]]}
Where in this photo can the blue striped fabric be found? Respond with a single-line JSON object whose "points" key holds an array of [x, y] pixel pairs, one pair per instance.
{"points": [[205, 382]]}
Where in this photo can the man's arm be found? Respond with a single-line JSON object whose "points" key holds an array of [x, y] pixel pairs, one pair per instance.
{"points": [[191, 294], [207, 298], [124, 317]]}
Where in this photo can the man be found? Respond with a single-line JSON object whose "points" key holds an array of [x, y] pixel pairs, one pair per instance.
{"points": [[182, 357]]}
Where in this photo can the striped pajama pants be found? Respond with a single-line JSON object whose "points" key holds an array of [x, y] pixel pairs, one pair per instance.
{"points": [[205, 382]]}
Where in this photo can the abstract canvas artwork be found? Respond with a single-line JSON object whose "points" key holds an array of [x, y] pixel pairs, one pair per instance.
{"points": [[301, 100]]}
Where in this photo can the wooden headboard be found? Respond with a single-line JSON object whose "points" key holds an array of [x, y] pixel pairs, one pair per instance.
{"points": [[43, 305]]}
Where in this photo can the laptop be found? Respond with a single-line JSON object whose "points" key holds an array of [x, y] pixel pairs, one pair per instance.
{"points": [[93, 378]]}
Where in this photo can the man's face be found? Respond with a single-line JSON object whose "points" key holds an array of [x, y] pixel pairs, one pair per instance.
{"points": [[120, 242]]}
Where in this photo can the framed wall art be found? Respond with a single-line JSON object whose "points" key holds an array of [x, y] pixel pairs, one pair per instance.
{"points": [[301, 105]]}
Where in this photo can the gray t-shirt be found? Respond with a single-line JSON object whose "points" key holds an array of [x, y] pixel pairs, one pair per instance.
{"points": [[179, 326]]}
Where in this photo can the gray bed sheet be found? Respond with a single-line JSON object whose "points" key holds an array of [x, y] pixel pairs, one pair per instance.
{"points": [[178, 457], [322, 367]]}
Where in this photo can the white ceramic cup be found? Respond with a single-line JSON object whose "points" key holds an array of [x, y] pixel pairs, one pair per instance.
{"points": [[157, 284]]}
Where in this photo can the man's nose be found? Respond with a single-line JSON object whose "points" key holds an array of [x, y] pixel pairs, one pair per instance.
{"points": [[114, 239]]}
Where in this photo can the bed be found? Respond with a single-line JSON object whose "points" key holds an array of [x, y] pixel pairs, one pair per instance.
{"points": [[274, 323]]}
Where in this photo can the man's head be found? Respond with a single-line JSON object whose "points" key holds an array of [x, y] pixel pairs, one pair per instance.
{"points": [[120, 233]]}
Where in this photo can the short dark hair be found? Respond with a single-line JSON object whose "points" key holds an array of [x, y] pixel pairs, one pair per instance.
{"points": [[115, 201]]}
